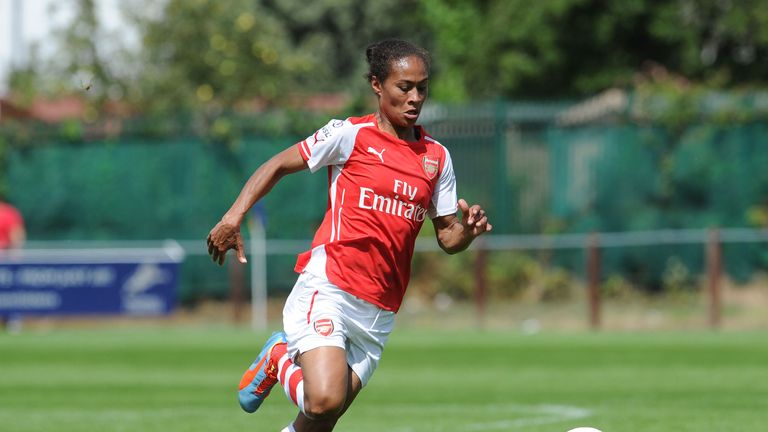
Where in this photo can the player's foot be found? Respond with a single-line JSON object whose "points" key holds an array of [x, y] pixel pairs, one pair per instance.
{"points": [[259, 379]]}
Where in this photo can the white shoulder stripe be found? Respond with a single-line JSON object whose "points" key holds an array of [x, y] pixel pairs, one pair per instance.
{"points": [[432, 140]]}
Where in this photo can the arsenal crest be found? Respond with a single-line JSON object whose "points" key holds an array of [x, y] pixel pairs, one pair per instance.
{"points": [[431, 165], [324, 326]]}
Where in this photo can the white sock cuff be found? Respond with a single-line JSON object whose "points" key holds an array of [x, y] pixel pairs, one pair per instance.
{"points": [[282, 361], [300, 396]]}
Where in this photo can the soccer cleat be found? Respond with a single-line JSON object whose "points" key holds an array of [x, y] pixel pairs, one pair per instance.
{"points": [[259, 379]]}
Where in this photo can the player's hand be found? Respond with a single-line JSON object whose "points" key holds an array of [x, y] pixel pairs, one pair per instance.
{"points": [[223, 237], [474, 218]]}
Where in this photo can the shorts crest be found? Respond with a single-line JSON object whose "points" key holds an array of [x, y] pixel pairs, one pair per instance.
{"points": [[324, 326]]}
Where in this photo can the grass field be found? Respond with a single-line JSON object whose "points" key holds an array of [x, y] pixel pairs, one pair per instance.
{"points": [[183, 379]]}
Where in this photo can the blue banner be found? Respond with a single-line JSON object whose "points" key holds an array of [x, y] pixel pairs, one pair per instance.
{"points": [[133, 288]]}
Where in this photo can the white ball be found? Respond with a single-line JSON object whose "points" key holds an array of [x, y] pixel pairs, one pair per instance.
{"points": [[584, 429]]}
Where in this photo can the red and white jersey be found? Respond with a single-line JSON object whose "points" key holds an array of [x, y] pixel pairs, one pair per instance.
{"points": [[381, 189]]}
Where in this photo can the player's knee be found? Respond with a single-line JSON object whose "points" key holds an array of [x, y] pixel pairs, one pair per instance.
{"points": [[325, 406]]}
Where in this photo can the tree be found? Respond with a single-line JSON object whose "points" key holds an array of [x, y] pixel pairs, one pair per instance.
{"points": [[87, 61], [226, 52], [721, 41], [491, 49], [517, 48]]}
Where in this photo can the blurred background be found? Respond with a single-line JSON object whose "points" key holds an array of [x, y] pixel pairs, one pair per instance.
{"points": [[618, 146]]}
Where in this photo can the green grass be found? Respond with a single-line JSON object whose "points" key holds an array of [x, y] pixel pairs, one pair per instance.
{"points": [[183, 379]]}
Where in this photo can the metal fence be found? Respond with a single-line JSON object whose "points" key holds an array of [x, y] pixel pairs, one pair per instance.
{"points": [[588, 254]]}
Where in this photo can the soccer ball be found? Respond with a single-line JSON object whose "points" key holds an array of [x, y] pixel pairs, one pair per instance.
{"points": [[584, 429]]}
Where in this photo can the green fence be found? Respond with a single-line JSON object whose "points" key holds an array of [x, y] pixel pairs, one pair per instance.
{"points": [[630, 178], [157, 189], [532, 175]]}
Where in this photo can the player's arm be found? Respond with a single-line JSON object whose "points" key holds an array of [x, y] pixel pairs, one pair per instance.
{"points": [[226, 234], [454, 233]]}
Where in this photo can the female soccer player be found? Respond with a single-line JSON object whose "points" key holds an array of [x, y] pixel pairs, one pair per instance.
{"points": [[386, 175]]}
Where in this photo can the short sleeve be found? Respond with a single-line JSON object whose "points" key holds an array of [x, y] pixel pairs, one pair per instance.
{"points": [[330, 145], [444, 200]]}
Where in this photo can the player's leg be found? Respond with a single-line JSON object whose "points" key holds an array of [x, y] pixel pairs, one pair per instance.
{"points": [[326, 379], [314, 323], [318, 382], [337, 340], [320, 417]]}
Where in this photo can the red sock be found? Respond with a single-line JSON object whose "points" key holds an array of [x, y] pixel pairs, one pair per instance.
{"points": [[292, 380]]}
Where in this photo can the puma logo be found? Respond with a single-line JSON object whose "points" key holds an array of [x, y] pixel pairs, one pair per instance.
{"points": [[380, 154]]}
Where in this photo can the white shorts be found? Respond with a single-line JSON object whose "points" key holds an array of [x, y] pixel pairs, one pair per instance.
{"points": [[318, 313]]}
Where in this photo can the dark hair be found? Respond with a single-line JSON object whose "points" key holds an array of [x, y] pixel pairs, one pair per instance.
{"points": [[380, 54]]}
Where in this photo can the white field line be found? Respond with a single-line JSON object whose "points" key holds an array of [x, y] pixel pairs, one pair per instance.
{"points": [[518, 415], [544, 414]]}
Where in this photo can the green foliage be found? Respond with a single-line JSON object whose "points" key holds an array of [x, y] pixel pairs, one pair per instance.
{"points": [[81, 40], [228, 53], [721, 41], [669, 100], [26, 83], [201, 51], [493, 49], [503, 48], [677, 280], [441, 273], [616, 286], [510, 275]]}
